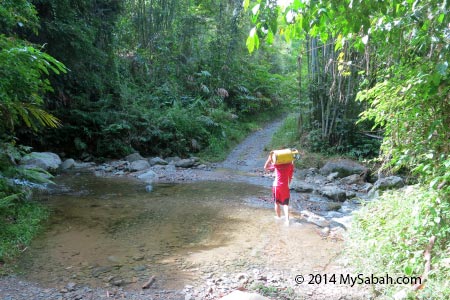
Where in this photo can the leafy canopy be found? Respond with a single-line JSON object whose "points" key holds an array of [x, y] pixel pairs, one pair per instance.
{"points": [[406, 80]]}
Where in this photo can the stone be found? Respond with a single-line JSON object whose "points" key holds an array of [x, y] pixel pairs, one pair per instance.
{"points": [[172, 159], [45, 160], [301, 186], [344, 167], [157, 161], [185, 163], [148, 177], [139, 165], [352, 179], [68, 164], [391, 182], [334, 192], [71, 286], [332, 176], [304, 173], [386, 183], [315, 219]]}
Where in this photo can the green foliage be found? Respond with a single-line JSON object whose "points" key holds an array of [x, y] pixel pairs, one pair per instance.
{"points": [[351, 141], [389, 236], [24, 70], [22, 84], [17, 14], [19, 218], [19, 223], [407, 85], [414, 112], [167, 81]]}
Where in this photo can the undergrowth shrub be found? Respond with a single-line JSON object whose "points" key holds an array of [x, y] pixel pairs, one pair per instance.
{"points": [[349, 140], [19, 217], [390, 235]]}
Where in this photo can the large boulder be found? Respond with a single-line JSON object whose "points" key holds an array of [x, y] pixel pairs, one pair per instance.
{"points": [[352, 179], [344, 167], [302, 186], [139, 165], [386, 183], [45, 160], [333, 192], [186, 163]]}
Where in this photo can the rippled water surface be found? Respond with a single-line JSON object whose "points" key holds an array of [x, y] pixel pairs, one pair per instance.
{"points": [[108, 231]]}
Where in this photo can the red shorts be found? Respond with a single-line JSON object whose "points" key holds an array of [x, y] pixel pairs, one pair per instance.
{"points": [[281, 194]]}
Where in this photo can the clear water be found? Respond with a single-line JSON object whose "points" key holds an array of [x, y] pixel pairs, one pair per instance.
{"points": [[109, 231]]}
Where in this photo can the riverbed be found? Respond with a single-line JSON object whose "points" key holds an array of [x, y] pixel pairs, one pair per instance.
{"points": [[114, 232]]}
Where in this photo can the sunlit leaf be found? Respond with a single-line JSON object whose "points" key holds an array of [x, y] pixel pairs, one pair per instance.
{"points": [[246, 4], [270, 37]]}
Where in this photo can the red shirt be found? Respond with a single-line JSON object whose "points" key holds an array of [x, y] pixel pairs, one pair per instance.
{"points": [[283, 174]]}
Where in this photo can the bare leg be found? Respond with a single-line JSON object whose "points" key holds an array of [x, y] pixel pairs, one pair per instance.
{"points": [[277, 210], [286, 213]]}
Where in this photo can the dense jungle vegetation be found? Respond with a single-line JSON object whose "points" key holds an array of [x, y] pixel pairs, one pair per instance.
{"points": [[101, 79]]}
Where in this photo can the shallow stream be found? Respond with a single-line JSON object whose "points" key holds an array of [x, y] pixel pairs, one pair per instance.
{"points": [[112, 231]]}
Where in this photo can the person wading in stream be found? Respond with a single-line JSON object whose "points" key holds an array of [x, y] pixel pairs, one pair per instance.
{"points": [[280, 188]]}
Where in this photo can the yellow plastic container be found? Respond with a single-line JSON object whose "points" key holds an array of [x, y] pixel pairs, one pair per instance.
{"points": [[283, 156]]}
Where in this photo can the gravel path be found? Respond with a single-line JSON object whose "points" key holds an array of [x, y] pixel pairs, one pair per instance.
{"points": [[250, 155]]}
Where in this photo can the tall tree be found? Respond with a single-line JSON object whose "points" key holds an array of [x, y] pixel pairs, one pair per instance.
{"points": [[398, 53]]}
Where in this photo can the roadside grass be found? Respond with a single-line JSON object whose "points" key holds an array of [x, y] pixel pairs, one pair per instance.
{"points": [[390, 235], [19, 224]]}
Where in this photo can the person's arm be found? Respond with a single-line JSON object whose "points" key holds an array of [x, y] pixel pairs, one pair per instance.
{"points": [[268, 165]]}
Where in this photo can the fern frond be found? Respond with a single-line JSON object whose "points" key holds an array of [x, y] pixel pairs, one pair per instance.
{"points": [[8, 200], [35, 175], [42, 117]]}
